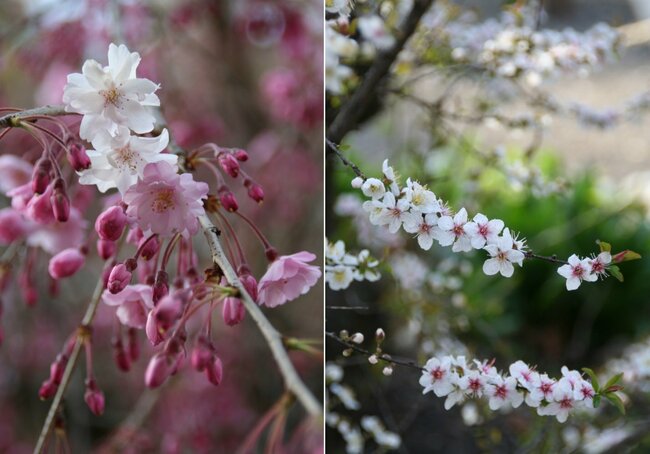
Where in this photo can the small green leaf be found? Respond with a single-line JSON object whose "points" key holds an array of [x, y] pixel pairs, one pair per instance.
{"points": [[592, 376], [597, 401], [604, 247], [616, 401], [626, 256], [612, 381], [616, 272]]}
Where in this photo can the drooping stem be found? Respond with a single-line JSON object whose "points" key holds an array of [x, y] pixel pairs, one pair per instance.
{"points": [[292, 380]]}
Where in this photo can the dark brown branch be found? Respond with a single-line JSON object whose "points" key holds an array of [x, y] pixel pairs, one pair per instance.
{"points": [[356, 106]]}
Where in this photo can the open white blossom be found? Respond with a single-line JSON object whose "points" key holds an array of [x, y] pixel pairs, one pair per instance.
{"points": [[374, 30], [576, 271], [112, 95], [341, 268], [117, 162], [503, 255]]}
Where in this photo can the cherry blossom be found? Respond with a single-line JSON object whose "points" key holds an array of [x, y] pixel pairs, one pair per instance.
{"points": [[164, 202], [483, 231], [576, 271], [287, 277], [503, 256], [133, 303], [118, 161], [452, 231], [426, 228], [112, 95]]}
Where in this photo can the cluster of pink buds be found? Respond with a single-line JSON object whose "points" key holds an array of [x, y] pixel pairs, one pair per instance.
{"points": [[50, 196], [228, 160]]}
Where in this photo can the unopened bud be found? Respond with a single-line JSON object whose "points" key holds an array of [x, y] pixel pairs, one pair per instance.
{"points": [[356, 338], [380, 335], [160, 286], [94, 397], [47, 390], [214, 371], [60, 201], [202, 354], [372, 359], [106, 248], [227, 198], [233, 311], [78, 158], [240, 155], [150, 248], [41, 175], [66, 263], [119, 278], [119, 356], [256, 192], [250, 284], [158, 370], [387, 371], [229, 164], [110, 223], [357, 182]]}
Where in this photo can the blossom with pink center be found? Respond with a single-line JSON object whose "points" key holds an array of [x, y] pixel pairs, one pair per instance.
{"points": [[132, 303], [425, 226], [541, 390], [473, 383], [437, 376], [526, 376], [483, 231], [288, 277], [503, 255], [452, 231], [562, 401], [584, 393], [165, 202], [576, 271], [599, 264], [503, 393], [393, 212]]}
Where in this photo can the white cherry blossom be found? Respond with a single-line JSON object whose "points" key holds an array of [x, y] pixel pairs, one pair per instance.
{"points": [[576, 271], [393, 213], [503, 256], [437, 376], [502, 392], [112, 95], [117, 162], [424, 226], [452, 232], [373, 187], [483, 231]]}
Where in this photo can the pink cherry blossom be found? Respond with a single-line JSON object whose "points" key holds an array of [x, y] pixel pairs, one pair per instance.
{"points": [[576, 271], [66, 263], [132, 303], [165, 202], [287, 278]]}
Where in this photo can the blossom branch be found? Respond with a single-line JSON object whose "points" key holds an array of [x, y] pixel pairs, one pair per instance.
{"points": [[292, 381], [384, 357], [83, 333], [13, 118], [337, 151], [354, 109]]}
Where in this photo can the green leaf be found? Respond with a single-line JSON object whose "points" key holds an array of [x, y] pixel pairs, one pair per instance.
{"points": [[616, 401], [626, 256], [596, 401], [616, 272], [592, 376], [604, 247], [612, 381]]}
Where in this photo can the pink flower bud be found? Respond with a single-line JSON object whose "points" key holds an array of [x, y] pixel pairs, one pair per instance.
{"points": [[119, 356], [202, 354], [106, 273], [229, 164], [60, 201], [119, 278], [150, 249], [214, 371], [151, 329], [57, 368], [256, 192], [160, 286], [110, 223], [41, 175], [167, 311], [227, 199], [94, 397], [78, 158], [241, 155], [134, 345], [106, 248], [39, 207], [66, 263], [47, 390], [250, 284], [158, 370], [233, 311]]}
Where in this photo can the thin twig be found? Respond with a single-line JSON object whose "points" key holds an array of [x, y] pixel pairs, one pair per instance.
{"points": [[49, 110], [384, 357], [337, 151], [552, 258]]}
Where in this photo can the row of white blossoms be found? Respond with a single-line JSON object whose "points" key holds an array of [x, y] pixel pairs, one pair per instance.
{"points": [[454, 378], [341, 267], [418, 211]]}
